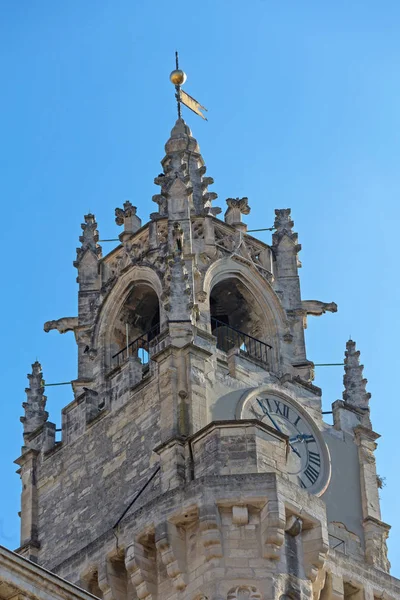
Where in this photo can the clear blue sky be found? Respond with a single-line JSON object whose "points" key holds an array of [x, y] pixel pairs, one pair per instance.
{"points": [[303, 102]]}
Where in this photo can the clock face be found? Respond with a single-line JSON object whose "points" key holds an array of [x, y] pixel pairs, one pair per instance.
{"points": [[308, 463]]}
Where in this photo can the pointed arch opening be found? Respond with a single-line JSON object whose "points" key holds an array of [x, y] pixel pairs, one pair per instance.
{"points": [[238, 321], [136, 325]]}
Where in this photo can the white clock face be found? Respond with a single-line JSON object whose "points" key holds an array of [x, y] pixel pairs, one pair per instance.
{"points": [[308, 462]]}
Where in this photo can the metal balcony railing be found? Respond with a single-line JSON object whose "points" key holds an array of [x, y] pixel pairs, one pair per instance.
{"points": [[139, 348], [228, 338]]}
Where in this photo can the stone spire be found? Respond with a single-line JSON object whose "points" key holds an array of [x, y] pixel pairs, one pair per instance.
{"points": [[89, 239], [355, 392], [285, 243], [184, 162], [35, 413], [88, 255]]}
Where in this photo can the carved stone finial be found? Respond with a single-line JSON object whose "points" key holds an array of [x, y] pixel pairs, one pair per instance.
{"points": [[35, 413], [89, 239], [283, 222], [183, 161], [161, 200], [355, 392], [236, 208], [284, 230], [180, 131], [127, 217]]}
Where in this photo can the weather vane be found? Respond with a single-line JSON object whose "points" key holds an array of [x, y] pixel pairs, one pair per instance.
{"points": [[178, 78]]}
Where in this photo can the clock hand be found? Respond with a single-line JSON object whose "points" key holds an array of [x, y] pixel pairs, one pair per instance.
{"points": [[276, 426], [301, 437], [269, 416]]}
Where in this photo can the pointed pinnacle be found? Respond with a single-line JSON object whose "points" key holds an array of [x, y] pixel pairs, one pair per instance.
{"points": [[355, 391]]}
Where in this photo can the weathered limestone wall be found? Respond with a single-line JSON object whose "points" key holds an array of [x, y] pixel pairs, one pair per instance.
{"points": [[84, 485], [100, 465], [207, 537]]}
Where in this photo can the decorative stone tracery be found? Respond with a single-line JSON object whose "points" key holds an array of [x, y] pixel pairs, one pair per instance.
{"points": [[243, 592]]}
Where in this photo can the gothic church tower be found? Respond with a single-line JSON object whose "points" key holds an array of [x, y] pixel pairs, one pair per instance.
{"points": [[195, 462]]}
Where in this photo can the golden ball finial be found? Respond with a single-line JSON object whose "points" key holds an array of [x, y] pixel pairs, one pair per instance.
{"points": [[178, 77]]}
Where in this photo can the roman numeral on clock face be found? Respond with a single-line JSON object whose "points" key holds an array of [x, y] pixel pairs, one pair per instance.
{"points": [[306, 466], [312, 474], [281, 409], [270, 406], [256, 414], [265, 405], [275, 407], [314, 458]]}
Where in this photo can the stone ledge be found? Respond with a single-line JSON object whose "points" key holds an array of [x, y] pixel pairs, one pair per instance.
{"points": [[31, 580]]}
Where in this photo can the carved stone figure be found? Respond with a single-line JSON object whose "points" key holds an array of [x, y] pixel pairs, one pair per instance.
{"points": [[62, 325], [317, 308], [178, 236]]}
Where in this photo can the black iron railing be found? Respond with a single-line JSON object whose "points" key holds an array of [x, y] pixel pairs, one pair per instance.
{"points": [[228, 338], [139, 348]]}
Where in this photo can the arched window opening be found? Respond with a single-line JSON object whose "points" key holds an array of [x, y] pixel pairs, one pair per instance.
{"points": [[137, 325], [237, 321]]}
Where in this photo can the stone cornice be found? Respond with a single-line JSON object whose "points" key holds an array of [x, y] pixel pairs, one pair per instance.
{"points": [[377, 522], [27, 455], [34, 581], [230, 423], [362, 432]]}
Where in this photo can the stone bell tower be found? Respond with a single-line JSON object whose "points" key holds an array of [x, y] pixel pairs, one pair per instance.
{"points": [[195, 463]]}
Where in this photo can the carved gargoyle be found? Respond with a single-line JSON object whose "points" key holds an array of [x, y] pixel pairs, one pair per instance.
{"points": [[62, 325], [317, 308]]}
